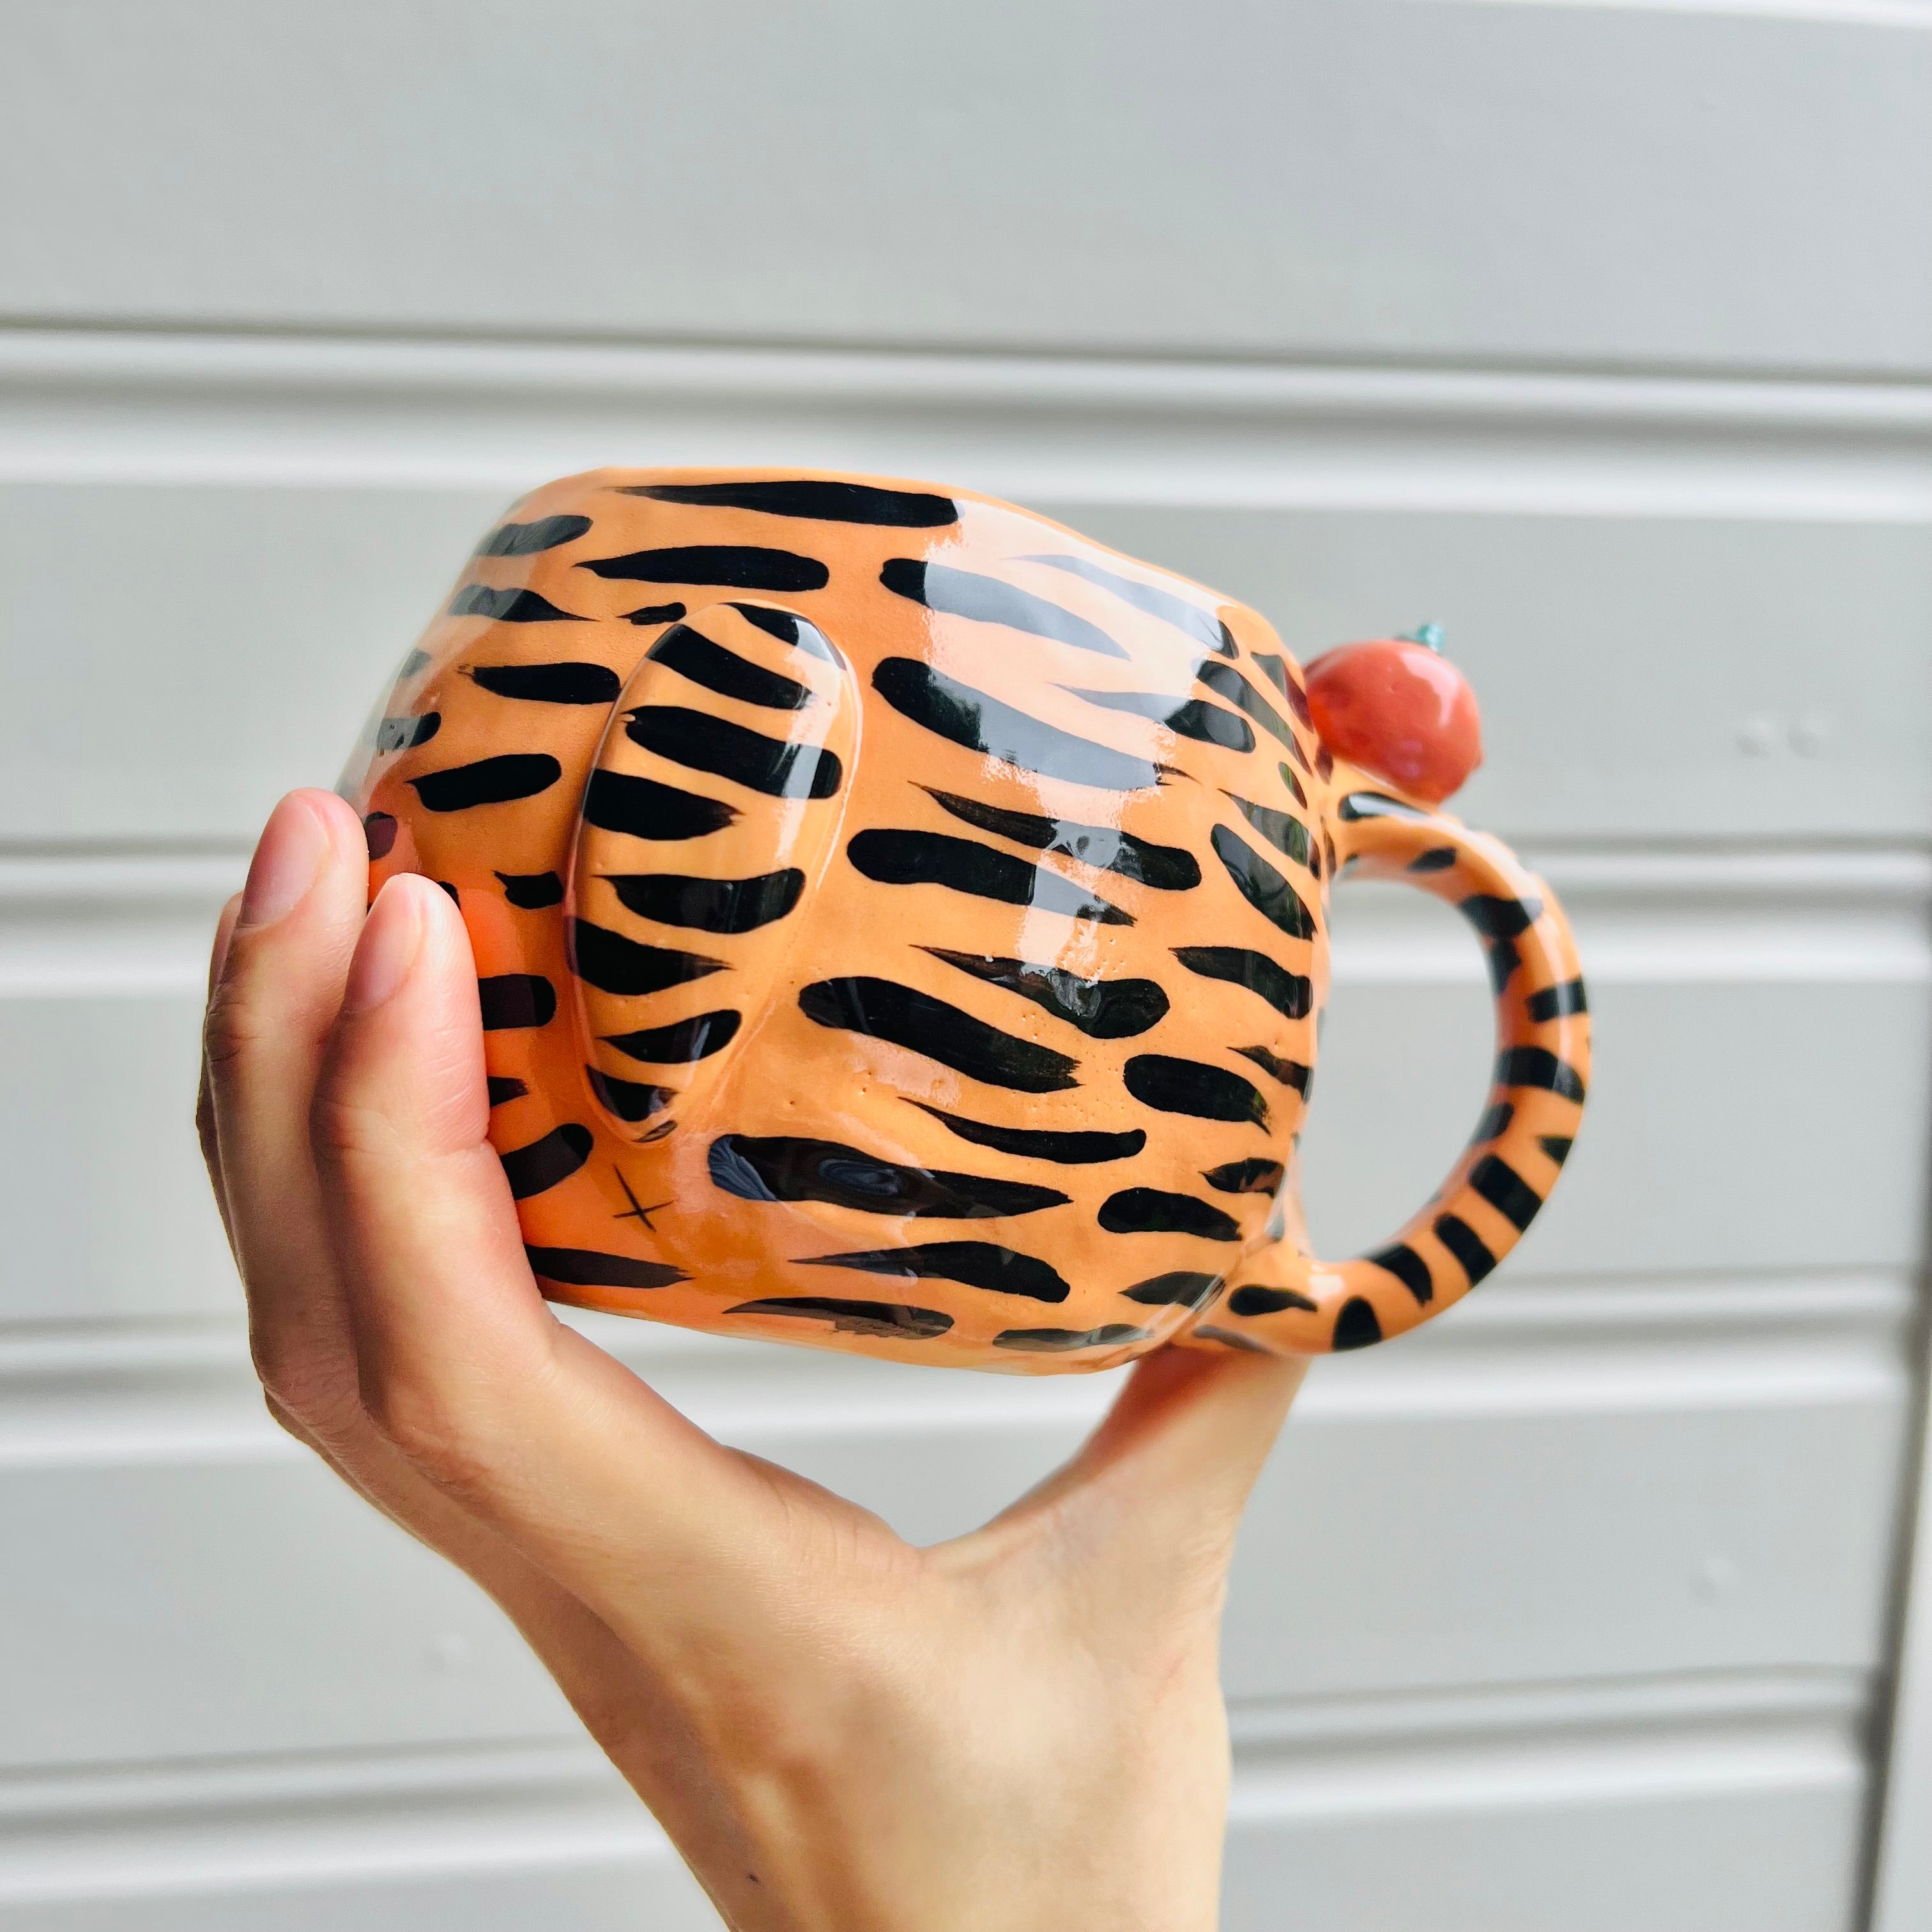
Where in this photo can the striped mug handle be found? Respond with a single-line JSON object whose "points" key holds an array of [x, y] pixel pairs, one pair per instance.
{"points": [[1282, 1301]]}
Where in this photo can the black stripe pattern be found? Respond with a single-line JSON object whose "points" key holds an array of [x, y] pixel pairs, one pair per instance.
{"points": [[902, 858], [681, 1042], [1291, 994], [701, 743], [566, 683], [526, 539], [708, 905], [616, 801], [781, 1169], [990, 600], [976, 1264], [1065, 1150], [1173, 1086], [1101, 1009], [735, 566], [703, 662], [883, 1009], [1167, 868], [1203, 626], [957, 712], [498, 781], [820, 500]]}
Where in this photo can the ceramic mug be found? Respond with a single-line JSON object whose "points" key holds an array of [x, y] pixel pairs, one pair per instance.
{"points": [[902, 924]]}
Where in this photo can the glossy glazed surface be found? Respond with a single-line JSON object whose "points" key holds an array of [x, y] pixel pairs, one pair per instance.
{"points": [[903, 925]]}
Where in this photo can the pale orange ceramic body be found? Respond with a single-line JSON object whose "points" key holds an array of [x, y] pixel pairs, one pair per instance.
{"points": [[903, 925]]}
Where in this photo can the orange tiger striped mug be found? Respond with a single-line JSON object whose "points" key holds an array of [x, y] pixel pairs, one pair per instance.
{"points": [[902, 924]]}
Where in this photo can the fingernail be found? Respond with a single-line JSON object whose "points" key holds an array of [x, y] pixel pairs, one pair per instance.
{"points": [[294, 844], [386, 950]]}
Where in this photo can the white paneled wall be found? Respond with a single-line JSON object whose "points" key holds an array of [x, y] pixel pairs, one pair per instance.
{"points": [[1601, 334]]}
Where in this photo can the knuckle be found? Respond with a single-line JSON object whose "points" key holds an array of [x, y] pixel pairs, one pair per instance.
{"points": [[236, 1027], [431, 1426]]}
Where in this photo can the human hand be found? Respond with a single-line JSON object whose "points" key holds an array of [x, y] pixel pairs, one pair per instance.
{"points": [[1019, 1729]]}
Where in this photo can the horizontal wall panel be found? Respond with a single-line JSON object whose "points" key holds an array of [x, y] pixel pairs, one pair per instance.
{"points": [[1809, 1153], [1640, 677], [200, 1588], [1727, 1802], [1555, 183], [491, 1841], [1675, 679]]}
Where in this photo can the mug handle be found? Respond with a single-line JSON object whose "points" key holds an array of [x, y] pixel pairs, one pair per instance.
{"points": [[1282, 1301]]}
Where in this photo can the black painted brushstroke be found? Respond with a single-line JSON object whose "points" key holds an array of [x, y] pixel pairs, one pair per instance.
{"points": [[628, 1100], [1188, 1087], [893, 1321], [1255, 1176], [513, 1000], [1289, 1073], [1256, 1299], [736, 566], [789, 627], [1537, 1066], [1060, 1341], [544, 1163], [682, 1042], [957, 712], [616, 802], [1505, 1190], [612, 963], [820, 500], [508, 607], [703, 662], [1355, 1325], [531, 892], [1408, 1268], [1500, 918], [404, 734], [1203, 626], [990, 600], [701, 743], [568, 683], [1065, 1150], [1188, 717], [1181, 1288], [1101, 1009], [498, 781], [1466, 1245], [781, 1169], [1377, 805], [977, 1264], [1261, 885], [1282, 829], [526, 539], [882, 1009], [893, 857], [1167, 868], [1290, 993], [708, 905], [1556, 1002], [584, 1268], [1152, 1210], [1227, 682]]}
